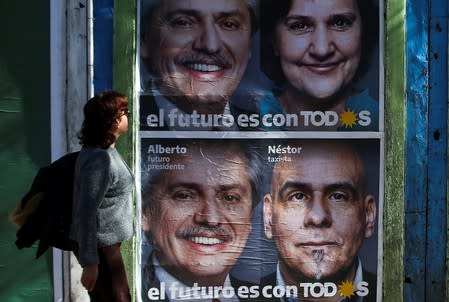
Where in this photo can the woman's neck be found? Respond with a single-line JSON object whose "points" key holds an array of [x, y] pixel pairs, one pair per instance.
{"points": [[293, 101], [117, 135]]}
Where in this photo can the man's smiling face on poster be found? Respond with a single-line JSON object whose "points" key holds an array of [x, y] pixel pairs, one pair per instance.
{"points": [[199, 218], [198, 49]]}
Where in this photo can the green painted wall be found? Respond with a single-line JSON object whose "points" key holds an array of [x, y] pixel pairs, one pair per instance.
{"points": [[123, 81], [24, 138], [393, 239]]}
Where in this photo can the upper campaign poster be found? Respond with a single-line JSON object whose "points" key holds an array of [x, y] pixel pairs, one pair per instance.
{"points": [[269, 65]]}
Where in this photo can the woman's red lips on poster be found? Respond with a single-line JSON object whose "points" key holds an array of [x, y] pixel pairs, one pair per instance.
{"points": [[322, 68]]}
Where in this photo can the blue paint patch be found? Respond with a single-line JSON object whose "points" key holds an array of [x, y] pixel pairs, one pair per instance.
{"points": [[416, 150], [426, 158], [103, 44], [437, 154]]}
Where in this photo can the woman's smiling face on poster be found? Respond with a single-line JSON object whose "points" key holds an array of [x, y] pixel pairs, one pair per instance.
{"points": [[319, 45]]}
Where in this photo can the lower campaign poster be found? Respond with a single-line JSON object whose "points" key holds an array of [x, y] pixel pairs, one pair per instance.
{"points": [[269, 219]]}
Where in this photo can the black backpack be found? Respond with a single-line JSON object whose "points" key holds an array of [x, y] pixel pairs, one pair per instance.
{"points": [[51, 216]]}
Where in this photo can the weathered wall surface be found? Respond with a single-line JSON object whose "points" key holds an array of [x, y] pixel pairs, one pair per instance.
{"points": [[24, 139]]}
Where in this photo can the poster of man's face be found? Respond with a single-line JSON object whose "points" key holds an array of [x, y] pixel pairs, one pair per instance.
{"points": [[196, 50], [197, 207], [312, 66], [321, 208], [318, 218]]}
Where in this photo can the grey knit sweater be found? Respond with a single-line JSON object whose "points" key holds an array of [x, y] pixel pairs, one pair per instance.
{"points": [[102, 202]]}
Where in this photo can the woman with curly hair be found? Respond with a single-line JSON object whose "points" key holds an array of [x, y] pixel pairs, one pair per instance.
{"points": [[102, 204]]}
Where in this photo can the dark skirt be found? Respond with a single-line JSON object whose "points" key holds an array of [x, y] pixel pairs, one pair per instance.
{"points": [[112, 283]]}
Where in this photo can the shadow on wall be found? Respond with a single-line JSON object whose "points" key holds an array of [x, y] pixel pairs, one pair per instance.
{"points": [[24, 139], [25, 48]]}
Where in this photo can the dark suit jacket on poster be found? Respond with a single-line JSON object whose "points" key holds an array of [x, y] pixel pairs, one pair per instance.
{"points": [[148, 106], [367, 276], [150, 280]]}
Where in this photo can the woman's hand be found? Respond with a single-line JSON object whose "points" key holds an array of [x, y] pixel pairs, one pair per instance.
{"points": [[89, 276]]}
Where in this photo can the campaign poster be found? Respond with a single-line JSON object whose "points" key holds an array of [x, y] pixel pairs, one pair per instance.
{"points": [[220, 219], [261, 150], [260, 65]]}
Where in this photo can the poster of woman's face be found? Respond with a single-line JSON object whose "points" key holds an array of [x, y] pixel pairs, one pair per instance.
{"points": [[317, 54]]}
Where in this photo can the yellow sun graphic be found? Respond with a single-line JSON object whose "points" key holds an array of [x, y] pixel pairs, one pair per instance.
{"points": [[348, 118], [346, 289]]}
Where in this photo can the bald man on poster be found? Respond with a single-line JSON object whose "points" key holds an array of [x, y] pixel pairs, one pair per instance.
{"points": [[318, 214]]}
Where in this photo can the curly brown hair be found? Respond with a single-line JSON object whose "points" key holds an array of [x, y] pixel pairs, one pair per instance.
{"points": [[100, 118]]}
